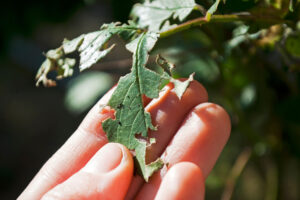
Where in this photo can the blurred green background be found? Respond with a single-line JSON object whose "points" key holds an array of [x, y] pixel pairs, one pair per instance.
{"points": [[252, 70]]}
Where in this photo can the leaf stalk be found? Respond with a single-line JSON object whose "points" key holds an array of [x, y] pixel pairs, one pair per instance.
{"points": [[223, 18]]}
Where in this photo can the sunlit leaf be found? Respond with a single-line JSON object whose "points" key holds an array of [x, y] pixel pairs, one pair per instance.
{"points": [[130, 117], [153, 14], [181, 86], [240, 35]]}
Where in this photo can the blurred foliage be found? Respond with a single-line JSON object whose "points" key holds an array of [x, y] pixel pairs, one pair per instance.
{"points": [[84, 90], [251, 68]]}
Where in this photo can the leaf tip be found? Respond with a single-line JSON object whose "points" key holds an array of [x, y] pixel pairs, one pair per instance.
{"points": [[180, 87]]}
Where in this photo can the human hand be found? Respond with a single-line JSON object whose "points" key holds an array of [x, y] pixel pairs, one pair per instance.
{"points": [[191, 134]]}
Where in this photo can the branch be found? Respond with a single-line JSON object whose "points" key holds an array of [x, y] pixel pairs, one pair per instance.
{"points": [[224, 18], [235, 173]]}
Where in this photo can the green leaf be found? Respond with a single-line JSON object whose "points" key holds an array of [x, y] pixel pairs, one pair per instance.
{"points": [[132, 122], [154, 14], [212, 10], [181, 86], [84, 90], [292, 44], [91, 48], [240, 30], [293, 4], [241, 35]]}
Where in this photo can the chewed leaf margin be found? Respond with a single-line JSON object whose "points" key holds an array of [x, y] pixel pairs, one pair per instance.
{"points": [[91, 48], [131, 119]]}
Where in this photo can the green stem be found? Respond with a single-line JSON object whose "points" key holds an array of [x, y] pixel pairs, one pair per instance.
{"points": [[223, 18], [236, 172], [200, 8]]}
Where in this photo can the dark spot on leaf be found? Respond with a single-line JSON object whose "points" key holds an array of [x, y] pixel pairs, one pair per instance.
{"points": [[120, 106]]}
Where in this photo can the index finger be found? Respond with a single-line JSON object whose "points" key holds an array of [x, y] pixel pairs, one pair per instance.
{"points": [[74, 154], [200, 140]]}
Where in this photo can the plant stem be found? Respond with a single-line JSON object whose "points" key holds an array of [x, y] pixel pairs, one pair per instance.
{"points": [[235, 173], [223, 18], [200, 8]]}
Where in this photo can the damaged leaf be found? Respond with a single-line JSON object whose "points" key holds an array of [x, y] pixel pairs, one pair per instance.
{"points": [[181, 86], [131, 120], [91, 48]]}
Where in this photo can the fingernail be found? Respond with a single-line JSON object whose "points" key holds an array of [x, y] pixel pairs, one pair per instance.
{"points": [[105, 160]]}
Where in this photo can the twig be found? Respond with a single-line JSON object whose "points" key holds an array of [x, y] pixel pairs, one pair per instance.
{"points": [[201, 9], [223, 18], [271, 180], [235, 173]]}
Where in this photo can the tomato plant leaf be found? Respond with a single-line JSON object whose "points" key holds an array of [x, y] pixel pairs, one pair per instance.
{"points": [[240, 35], [153, 14], [132, 122], [91, 48], [181, 86]]}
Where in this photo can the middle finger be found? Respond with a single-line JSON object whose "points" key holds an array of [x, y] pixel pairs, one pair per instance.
{"points": [[167, 113]]}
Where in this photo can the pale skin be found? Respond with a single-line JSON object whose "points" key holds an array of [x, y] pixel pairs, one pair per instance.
{"points": [[190, 137]]}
